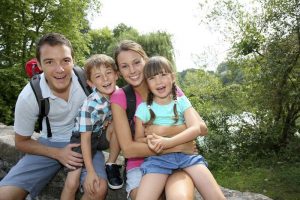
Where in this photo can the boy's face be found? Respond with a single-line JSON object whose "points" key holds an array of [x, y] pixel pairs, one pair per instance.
{"points": [[104, 79], [57, 64]]}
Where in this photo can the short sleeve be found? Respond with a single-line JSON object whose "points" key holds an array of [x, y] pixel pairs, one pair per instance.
{"points": [[26, 112], [85, 118], [183, 103], [143, 113], [119, 98]]}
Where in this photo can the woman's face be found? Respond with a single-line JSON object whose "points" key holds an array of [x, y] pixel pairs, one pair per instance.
{"points": [[131, 65]]}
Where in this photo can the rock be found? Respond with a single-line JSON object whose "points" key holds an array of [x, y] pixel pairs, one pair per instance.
{"points": [[9, 156]]}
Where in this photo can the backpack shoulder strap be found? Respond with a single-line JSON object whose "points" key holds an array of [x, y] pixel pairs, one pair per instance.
{"points": [[80, 73], [43, 103], [131, 105], [130, 100]]}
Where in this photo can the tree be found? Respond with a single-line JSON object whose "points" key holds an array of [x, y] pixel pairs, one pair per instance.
{"points": [[100, 41], [158, 43], [266, 39], [22, 22]]}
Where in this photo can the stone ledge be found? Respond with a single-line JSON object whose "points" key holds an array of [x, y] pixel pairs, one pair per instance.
{"points": [[9, 156]]}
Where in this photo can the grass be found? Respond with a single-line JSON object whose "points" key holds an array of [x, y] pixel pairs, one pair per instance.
{"points": [[279, 181]]}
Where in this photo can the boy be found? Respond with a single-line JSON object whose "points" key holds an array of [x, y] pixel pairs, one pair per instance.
{"points": [[93, 117]]}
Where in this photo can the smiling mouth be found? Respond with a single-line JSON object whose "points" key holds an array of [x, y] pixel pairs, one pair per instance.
{"points": [[106, 85], [135, 77], [60, 77], [161, 88]]}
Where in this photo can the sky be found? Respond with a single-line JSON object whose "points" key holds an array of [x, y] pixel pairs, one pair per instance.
{"points": [[193, 42]]}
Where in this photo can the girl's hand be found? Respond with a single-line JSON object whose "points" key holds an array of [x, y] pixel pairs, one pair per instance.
{"points": [[89, 184], [157, 143]]}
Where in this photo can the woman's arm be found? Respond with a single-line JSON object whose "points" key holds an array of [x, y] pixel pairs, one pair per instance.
{"points": [[130, 148], [139, 135]]}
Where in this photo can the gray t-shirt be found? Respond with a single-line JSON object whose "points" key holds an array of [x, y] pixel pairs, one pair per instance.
{"points": [[61, 114]]}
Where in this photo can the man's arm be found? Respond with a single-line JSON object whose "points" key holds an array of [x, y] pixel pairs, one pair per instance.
{"points": [[64, 155]]}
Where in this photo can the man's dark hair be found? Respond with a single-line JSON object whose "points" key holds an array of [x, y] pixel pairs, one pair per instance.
{"points": [[52, 39]]}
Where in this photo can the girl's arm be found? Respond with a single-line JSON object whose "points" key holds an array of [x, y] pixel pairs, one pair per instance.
{"points": [[139, 135], [193, 130], [169, 131]]}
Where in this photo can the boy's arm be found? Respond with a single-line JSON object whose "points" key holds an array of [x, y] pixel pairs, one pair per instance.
{"points": [[86, 151], [139, 135], [92, 177]]}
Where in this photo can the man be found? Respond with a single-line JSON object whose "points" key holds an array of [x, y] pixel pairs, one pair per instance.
{"points": [[47, 155]]}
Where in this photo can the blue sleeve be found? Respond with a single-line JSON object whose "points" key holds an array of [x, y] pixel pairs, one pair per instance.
{"points": [[183, 103], [143, 113]]}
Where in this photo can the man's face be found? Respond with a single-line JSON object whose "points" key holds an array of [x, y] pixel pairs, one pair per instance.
{"points": [[57, 64]]}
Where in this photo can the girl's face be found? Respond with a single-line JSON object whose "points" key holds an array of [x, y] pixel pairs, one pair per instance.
{"points": [[161, 87], [131, 65]]}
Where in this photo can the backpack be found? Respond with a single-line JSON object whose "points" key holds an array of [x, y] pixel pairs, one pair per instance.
{"points": [[43, 103], [131, 104]]}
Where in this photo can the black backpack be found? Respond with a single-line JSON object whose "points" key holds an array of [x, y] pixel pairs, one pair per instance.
{"points": [[131, 104]]}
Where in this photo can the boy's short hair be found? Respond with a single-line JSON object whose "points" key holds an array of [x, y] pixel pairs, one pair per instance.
{"points": [[95, 61], [52, 39]]}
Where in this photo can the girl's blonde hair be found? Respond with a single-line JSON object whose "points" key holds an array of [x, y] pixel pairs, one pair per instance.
{"points": [[95, 61], [159, 65]]}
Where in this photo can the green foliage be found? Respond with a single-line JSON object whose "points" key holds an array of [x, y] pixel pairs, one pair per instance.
{"points": [[100, 41], [12, 81], [23, 22], [265, 55], [156, 43], [277, 180]]}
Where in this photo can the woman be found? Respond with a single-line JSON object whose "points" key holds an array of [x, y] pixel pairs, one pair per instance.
{"points": [[130, 59]]}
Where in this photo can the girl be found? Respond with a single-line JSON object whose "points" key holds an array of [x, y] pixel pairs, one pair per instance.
{"points": [[164, 107], [130, 59]]}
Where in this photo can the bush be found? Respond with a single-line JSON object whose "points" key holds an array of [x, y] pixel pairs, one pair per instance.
{"points": [[11, 83]]}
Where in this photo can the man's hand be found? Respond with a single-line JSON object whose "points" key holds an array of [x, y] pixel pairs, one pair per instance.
{"points": [[69, 158]]}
